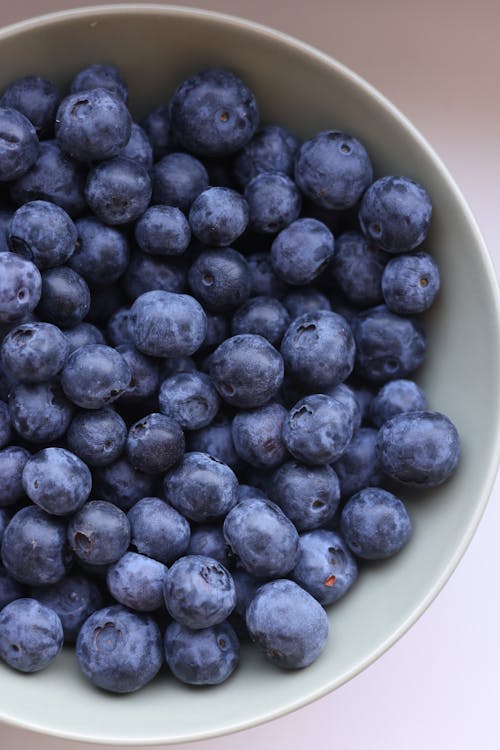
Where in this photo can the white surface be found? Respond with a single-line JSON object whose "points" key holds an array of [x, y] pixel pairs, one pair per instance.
{"points": [[438, 687]]}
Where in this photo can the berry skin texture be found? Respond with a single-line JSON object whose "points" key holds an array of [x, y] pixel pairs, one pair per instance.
{"points": [[73, 599], [31, 635], [219, 279], [375, 524], [388, 346], [138, 147], [118, 650], [359, 466], [208, 540], [396, 397], [263, 316], [395, 214], [99, 533], [37, 99], [147, 273], [271, 149], [178, 179], [35, 550], [201, 487], [410, 283], [218, 216], [119, 483], [202, 657], [325, 568], [333, 169], [10, 589], [43, 233], [199, 592], [118, 191], [5, 426], [263, 539], [18, 144], [20, 287], [420, 448], [257, 436], [288, 624], [274, 201], [163, 230], [301, 251], [65, 299], [154, 444], [34, 352], [165, 324], [246, 370], [307, 495], [102, 253], [318, 349], [83, 334], [12, 462], [136, 581], [97, 437], [92, 125], [307, 300], [214, 113], [318, 429], [158, 530], [94, 376], [99, 76], [217, 440], [190, 399], [357, 268], [57, 481], [39, 412]]}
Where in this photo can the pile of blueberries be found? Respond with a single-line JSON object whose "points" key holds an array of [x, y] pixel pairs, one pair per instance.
{"points": [[207, 329]]}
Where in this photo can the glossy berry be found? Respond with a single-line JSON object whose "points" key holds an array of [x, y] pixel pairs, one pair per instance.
{"points": [[10, 589], [157, 127], [147, 273], [190, 399], [178, 179], [263, 316], [274, 201], [201, 487], [18, 144], [57, 481], [99, 533], [307, 495], [37, 99], [357, 268], [271, 149], [305, 300], [31, 635], [158, 530], [65, 299], [219, 279], [325, 568], [217, 440], [118, 190], [39, 412], [20, 287], [138, 147], [136, 581], [100, 76], [263, 279], [102, 253], [43, 233], [118, 330], [301, 251], [145, 375], [396, 397], [208, 540], [347, 396], [318, 429], [73, 599], [94, 376], [97, 437], [257, 436], [202, 657], [359, 466], [154, 444], [119, 483], [218, 216], [12, 462], [34, 352], [410, 283], [82, 334], [163, 230]]}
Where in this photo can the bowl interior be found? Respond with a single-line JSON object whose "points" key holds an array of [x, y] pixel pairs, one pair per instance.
{"points": [[156, 47]]}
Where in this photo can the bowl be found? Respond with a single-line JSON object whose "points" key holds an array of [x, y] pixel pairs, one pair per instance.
{"points": [[156, 47]]}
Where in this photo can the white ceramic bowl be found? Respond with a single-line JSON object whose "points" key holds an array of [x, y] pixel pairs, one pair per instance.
{"points": [[300, 87]]}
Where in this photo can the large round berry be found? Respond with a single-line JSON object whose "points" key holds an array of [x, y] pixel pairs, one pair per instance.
{"points": [[257, 436], [147, 273], [118, 191], [208, 539], [274, 201], [396, 397], [158, 530], [359, 466], [178, 179], [410, 283], [218, 216], [190, 398], [97, 437], [43, 233], [18, 144], [263, 316], [136, 581], [220, 279], [73, 599], [20, 287], [138, 147], [216, 439], [94, 376], [100, 76], [154, 444], [99, 533], [119, 483], [325, 566], [82, 334], [102, 253], [307, 495], [31, 635], [57, 481], [302, 251], [37, 99], [357, 268], [163, 230], [34, 352], [202, 657], [39, 412], [318, 429], [65, 299], [271, 149]]}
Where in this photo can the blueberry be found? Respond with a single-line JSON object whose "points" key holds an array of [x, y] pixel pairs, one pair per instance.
{"points": [[136, 581], [73, 599], [57, 481], [219, 279], [262, 538], [158, 530], [173, 365], [410, 283], [307, 300], [31, 635], [34, 352], [217, 330], [375, 524], [214, 113], [158, 129], [395, 214], [263, 316], [163, 230], [246, 370], [10, 589], [208, 540], [274, 202], [20, 287], [147, 273], [35, 549], [247, 492], [5, 219], [92, 125], [18, 144], [257, 436], [190, 399], [53, 177], [318, 429], [39, 412], [388, 346], [118, 329], [65, 299], [154, 444], [118, 650], [145, 374], [4, 520], [217, 440], [119, 483], [95, 375], [396, 397], [420, 448], [199, 591], [5, 426], [99, 533], [100, 76], [83, 334], [364, 395], [218, 216], [43, 233], [201, 487], [178, 179], [271, 149], [318, 349], [358, 466], [287, 623], [301, 251], [37, 99], [358, 268], [12, 462], [202, 657], [118, 190], [346, 395], [102, 253], [246, 587], [325, 568], [165, 324], [138, 147], [307, 495], [263, 279]]}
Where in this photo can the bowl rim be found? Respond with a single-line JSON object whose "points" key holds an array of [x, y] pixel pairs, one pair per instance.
{"points": [[361, 83]]}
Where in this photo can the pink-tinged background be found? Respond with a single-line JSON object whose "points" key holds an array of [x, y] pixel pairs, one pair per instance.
{"points": [[439, 687]]}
